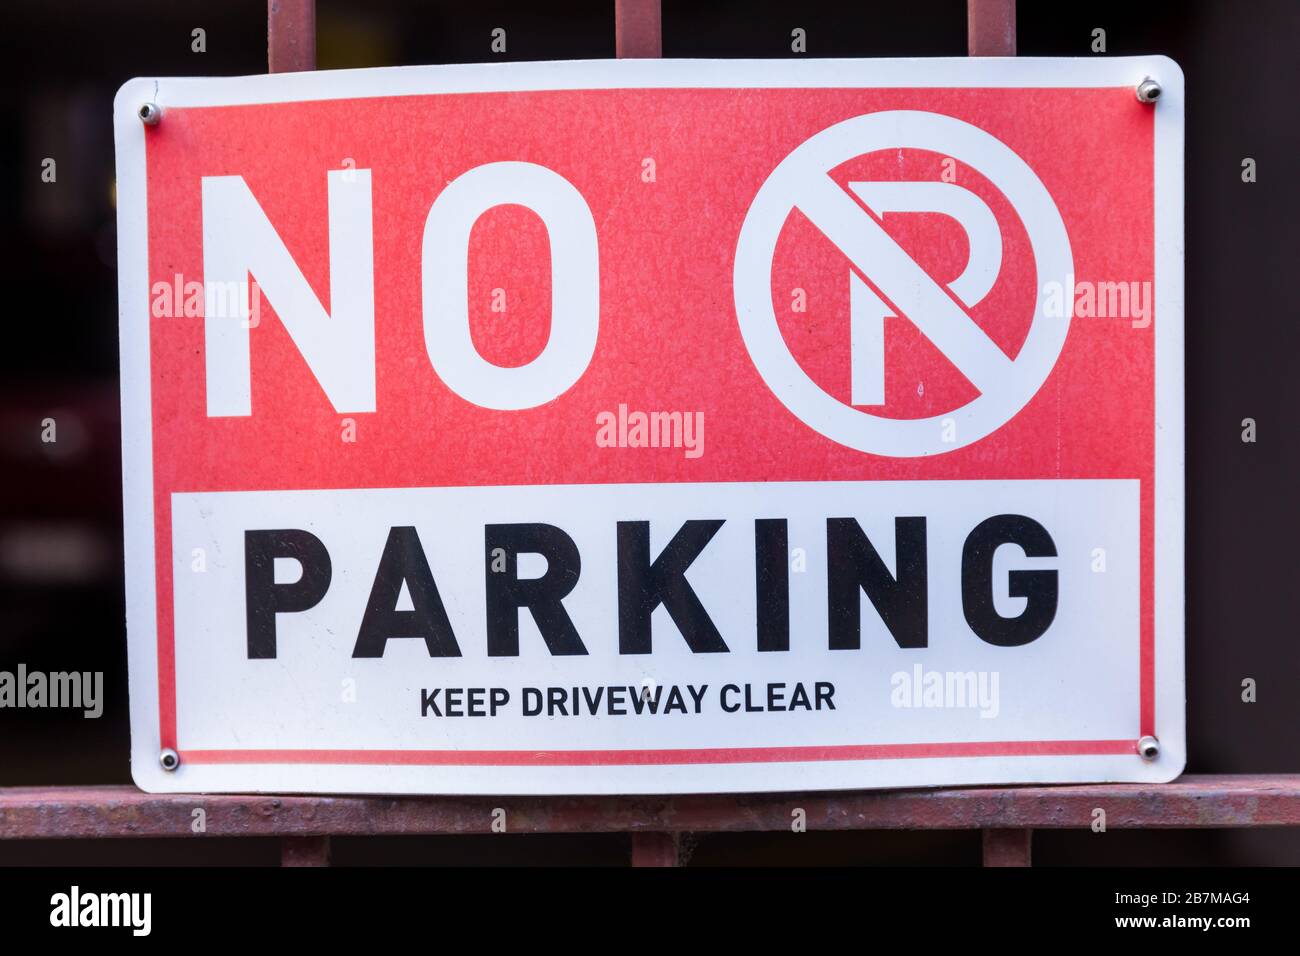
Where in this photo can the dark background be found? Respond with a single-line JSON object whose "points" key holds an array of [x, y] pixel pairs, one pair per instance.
{"points": [[61, 592]]}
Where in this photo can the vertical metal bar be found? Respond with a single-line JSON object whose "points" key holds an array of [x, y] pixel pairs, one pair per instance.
{"points": [[305, 851], [991, 31], [290, 35], [638, 33], [654, 849], [991, 27], [638, 28], [291, 48], [1008, 847]]}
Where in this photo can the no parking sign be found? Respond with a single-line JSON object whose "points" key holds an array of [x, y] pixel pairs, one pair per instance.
{"points": [[654, 426]]}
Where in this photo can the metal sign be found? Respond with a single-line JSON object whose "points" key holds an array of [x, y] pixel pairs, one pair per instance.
{"points": [[654, 426]]}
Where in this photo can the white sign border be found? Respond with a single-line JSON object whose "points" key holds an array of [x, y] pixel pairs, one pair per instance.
{"points": [[910, 73]]}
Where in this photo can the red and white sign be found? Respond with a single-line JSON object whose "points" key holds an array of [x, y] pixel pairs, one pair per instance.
{"points": [[653, 426]]}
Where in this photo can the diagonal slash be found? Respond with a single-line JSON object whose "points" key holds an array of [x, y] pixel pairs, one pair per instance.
{"points": [[905, 283]]}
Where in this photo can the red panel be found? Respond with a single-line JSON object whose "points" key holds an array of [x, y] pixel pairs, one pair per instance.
{"points": [[668, 332]]}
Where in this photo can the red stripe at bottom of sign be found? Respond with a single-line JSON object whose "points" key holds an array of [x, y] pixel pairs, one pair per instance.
{"points": [[716, 755]]}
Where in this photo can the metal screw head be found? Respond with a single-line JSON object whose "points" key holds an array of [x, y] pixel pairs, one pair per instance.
{"points": [[150, 114], [1148, 91], [1149, 748], [169, 759]]}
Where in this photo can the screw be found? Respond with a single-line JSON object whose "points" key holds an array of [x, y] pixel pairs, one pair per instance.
{"points": [[150, 114], [1149, 748], [169, 759], [1148, 91]]}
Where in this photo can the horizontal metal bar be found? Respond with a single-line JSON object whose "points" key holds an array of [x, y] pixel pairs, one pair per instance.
{"points": [[1192, 801]]}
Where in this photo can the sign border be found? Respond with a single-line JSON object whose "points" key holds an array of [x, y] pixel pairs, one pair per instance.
{"points": [[1162, 686]]}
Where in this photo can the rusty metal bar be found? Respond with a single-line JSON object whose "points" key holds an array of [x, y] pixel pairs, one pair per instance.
{"points": [[290, 35], [1008, 847], [638, 29], [991, 27], [991, 31], [638, 33], [654, 849], [305, 851], [1190, 802]]}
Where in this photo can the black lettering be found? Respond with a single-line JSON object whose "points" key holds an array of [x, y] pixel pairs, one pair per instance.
{"points": [[799, 699], [1038, 587], [825, 690], [477, 702], [616, 709], [643, 698], [852, 563], [643, 586], [403, 560], [263, 598], [452, 696], [500, 697], [429, 702], [555, 702], [507, 593], [532, 704], [772, 583]]}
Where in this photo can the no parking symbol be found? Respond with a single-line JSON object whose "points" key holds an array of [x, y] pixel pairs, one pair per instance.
{"points": [[802, 181]]}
